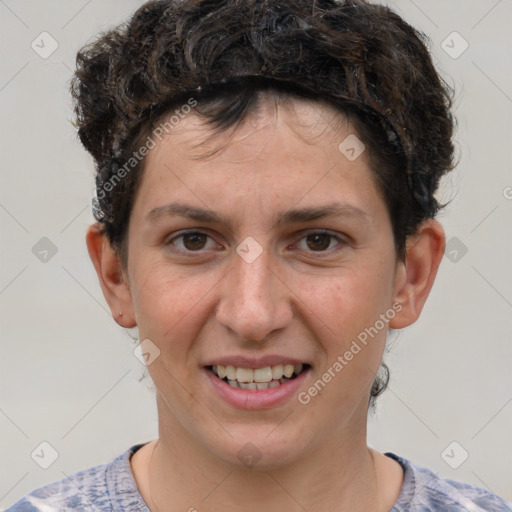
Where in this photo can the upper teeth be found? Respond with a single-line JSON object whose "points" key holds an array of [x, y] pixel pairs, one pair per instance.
{"points": [[265, 374]]}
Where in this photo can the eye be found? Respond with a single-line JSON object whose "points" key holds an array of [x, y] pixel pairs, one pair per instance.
{"points": [[192, 241], [320, 241], [197, 241]]}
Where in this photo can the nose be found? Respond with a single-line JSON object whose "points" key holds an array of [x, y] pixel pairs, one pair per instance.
{"points": [[255, 301]]}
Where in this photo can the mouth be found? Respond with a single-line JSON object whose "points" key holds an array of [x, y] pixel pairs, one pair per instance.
{"points": [[254, 379]]}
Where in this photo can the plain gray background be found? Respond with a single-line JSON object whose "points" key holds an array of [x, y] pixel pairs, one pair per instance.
{"points": [[68, 373]]}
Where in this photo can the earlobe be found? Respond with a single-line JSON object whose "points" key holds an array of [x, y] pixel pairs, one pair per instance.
{"points": [[415, 276], [114, 285]]}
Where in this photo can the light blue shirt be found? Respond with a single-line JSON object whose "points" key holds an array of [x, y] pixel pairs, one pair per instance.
{"points": [[111, 487]]}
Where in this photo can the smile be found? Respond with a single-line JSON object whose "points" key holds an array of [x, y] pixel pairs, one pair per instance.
{"points": [[258, 378]]}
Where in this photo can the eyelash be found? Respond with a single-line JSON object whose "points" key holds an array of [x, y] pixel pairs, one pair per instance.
{"points": [[341, 242]]}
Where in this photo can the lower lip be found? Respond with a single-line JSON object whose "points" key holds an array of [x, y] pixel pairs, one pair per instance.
{"points": [[256, 398]]}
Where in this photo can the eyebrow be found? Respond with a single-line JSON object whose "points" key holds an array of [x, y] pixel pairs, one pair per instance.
{"points": [[288, 217]]}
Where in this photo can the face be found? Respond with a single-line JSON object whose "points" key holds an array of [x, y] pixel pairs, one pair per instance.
{"points": [[274, 253]]}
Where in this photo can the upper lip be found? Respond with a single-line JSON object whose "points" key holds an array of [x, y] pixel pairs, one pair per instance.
{"points": [[241, 361]]}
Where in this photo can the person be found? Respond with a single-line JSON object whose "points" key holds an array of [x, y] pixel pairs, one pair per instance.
{"points": [[265, 207]]}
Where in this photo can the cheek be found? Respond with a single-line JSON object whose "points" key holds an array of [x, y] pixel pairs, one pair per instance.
{"points": [[347, 304], [168, 302], [345, 318]]}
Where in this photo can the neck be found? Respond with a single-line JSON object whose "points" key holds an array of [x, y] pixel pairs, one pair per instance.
{"points": [[182, 475]]}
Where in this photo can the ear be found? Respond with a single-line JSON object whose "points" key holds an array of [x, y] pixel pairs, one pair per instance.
{"points": [[415, 277], [113, 280]]}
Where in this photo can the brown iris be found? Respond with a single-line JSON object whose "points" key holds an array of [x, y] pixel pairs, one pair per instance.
{"points": [[318, 241], [194, 241]]}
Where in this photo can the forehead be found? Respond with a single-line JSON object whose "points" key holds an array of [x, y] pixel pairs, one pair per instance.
{"points": [[311, 122], [281, 154]]}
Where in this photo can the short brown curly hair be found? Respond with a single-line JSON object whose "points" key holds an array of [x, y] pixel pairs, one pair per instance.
{"points": [[361, 58]]}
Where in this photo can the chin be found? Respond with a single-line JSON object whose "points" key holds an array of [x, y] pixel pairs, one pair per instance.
{"points": [[263, 450]]}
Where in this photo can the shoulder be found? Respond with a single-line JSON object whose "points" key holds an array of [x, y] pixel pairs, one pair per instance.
{"points": [[107, 487], [425, 491]]}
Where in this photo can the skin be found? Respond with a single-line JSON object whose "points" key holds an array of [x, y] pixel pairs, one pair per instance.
{"points": [[292, 300]]}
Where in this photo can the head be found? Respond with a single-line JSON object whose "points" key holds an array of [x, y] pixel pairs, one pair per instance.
{"points": [[245, 111]]}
